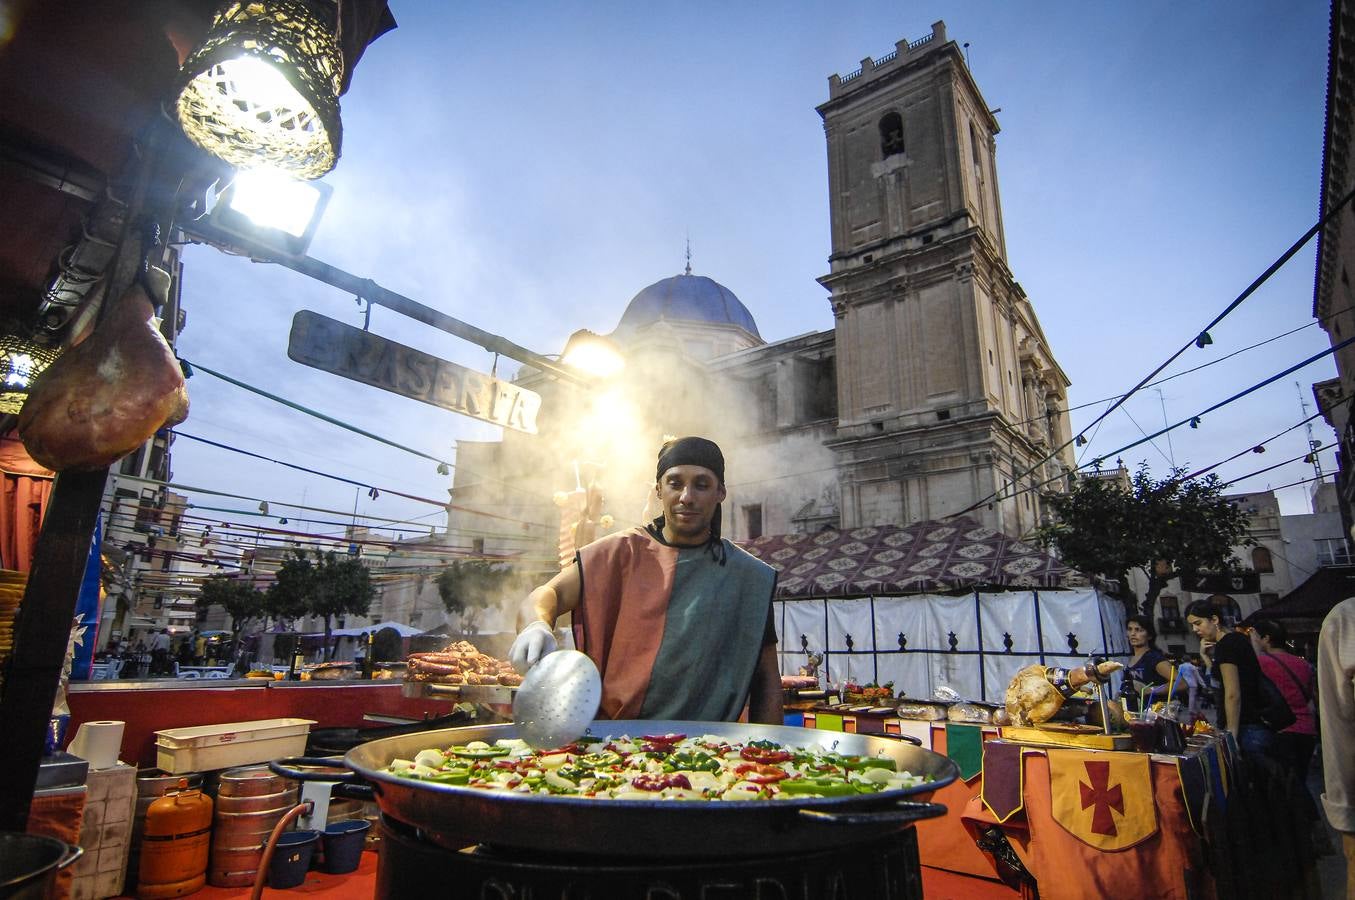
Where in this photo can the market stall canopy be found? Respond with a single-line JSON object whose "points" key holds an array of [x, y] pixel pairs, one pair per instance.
{"points": [[892, 559], [1314, 598], [401, 627]]}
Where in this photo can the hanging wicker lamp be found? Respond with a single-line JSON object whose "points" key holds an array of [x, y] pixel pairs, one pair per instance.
{"points": [[262, 89], [20, 362]]}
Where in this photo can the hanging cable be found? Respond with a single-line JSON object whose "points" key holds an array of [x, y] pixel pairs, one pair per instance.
{"points": [[1096, 463], [1200, 340], [290, 404], [1252, 449], [334, 512], [1239, 395], [1193, 369], [1276, 466], [312, 412]]}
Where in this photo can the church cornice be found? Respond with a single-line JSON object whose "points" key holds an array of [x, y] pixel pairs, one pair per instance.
{"points": [[908, 58]]}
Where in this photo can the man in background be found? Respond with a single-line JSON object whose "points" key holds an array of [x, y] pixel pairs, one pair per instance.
{"points": [[160, 644], [1336, 712]]}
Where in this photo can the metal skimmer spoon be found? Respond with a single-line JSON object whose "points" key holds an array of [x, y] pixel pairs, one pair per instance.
{"points": [[557, 700]]}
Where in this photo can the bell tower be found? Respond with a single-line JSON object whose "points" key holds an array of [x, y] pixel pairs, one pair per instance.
{"points": [[947, 388]]}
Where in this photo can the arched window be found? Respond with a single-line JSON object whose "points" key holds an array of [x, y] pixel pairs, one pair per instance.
{"points": [[1260, 560], [891, 134]]}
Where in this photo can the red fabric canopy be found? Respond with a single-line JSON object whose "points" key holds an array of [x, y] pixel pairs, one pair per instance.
{"points": [[24, 501]]}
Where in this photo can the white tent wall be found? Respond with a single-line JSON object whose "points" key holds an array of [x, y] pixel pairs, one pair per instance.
{"points": [[973, 643], [903, 623]]}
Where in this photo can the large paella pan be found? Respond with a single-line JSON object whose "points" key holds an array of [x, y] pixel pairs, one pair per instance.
{"points": [[454, 815]]}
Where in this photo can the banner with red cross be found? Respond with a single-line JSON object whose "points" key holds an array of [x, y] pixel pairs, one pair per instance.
{"points": [[1103, 799]]}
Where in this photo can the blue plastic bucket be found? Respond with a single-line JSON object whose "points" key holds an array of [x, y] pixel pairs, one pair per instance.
{"points": [[343, 843], [291, 858]]}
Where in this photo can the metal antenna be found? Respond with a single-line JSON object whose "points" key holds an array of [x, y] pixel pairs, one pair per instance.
{"points": [[689, 254], [1171, 453], [1308, 427]]}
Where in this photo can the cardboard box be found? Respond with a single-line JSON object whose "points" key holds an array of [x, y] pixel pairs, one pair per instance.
{"points": [[206, 747]]}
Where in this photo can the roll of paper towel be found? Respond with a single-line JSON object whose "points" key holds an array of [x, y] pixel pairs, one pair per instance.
{"points": [[98, 743]]}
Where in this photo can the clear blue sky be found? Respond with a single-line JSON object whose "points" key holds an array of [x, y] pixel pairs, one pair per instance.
{"points": [[531, 166]]}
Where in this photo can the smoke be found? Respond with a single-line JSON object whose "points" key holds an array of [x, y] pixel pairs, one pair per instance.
{"points": [[605, 439]]}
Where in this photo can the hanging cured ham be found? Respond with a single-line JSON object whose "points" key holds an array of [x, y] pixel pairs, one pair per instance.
{"points": [[1036, 693], [107, 395]]}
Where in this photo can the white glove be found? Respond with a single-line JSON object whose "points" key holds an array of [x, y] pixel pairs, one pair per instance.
{"points": [[531, 644]]}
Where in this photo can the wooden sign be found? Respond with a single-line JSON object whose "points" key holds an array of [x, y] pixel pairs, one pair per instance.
{"points": [[324, 343]]}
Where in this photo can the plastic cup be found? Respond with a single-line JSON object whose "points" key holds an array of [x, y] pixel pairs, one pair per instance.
{"points": [[1170, 738], [1144, 733]]}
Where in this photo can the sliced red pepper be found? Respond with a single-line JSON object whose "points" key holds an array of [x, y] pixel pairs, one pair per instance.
{"points": [[669, 738], [760, 774], [764, 755], [659, 782]]}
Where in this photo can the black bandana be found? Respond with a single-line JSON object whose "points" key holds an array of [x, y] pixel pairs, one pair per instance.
{"points": [[691, 451]]}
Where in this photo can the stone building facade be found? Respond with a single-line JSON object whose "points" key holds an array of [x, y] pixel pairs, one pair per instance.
{"points": [[1333, 293], [934, 393], [948, 390]]}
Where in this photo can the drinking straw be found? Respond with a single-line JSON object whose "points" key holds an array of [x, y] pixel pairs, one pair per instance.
{"points": [[1143, 698], [1171, 685]]}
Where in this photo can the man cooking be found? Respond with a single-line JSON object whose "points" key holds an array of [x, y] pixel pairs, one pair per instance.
{"points": [[677, 619]]}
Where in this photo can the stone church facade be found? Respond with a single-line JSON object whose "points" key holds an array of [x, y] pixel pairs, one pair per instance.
{"points": [[933, 392]]}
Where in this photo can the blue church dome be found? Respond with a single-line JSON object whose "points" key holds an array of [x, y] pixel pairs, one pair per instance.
{"points": [[687, 298]]}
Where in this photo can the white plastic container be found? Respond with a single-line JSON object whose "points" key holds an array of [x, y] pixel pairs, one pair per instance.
{"points": [[231, 744]]}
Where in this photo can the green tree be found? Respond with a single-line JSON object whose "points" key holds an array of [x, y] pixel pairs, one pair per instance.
{"points": [[326, 584], [287, 597], [1163, 528], [341, 586], [241, 600], [469, 587]]}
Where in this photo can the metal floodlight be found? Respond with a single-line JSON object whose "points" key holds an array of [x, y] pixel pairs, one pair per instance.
{"points": [[592, 353], [272, 210], [262, 89], [20, 362]]}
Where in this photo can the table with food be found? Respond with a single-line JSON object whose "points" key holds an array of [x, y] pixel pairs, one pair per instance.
{"points": [[1152, 803]]}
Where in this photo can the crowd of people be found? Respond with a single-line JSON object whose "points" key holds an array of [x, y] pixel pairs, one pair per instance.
{"points": [[1282, 708], [156, 653]]}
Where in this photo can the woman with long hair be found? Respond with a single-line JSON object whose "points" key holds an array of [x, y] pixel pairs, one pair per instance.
{"points": [[1148, 667], [1234, 675], [1296, 681]]}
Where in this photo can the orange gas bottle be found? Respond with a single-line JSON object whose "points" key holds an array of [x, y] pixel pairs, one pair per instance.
{"points": [[174, 844]]}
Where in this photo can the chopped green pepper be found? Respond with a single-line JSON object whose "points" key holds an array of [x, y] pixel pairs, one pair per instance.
{"points": [[451, 776], [478, 753], [600, 760], [574, 773], [860, 763], [692, 761], [826, 787]]}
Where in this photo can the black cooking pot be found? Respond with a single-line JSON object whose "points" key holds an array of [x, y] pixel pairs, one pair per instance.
{"points": [[338, 741], [29, 863]]}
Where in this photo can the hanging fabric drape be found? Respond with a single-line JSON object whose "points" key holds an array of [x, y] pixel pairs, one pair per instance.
{"points": [[26, 488]]}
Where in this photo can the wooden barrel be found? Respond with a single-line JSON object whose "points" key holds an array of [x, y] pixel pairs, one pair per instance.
{"points": [[151, 785], [248, 781], [344, 810], [250, 801]]}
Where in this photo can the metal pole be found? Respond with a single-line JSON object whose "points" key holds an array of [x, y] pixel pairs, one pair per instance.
{"points": [[374, 293]]}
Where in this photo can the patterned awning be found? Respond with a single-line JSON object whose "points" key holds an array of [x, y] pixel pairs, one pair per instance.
{"points": [[919, 558]]}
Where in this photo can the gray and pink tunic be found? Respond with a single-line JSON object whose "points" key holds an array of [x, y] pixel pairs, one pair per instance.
{"points": [[675, 633]]}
